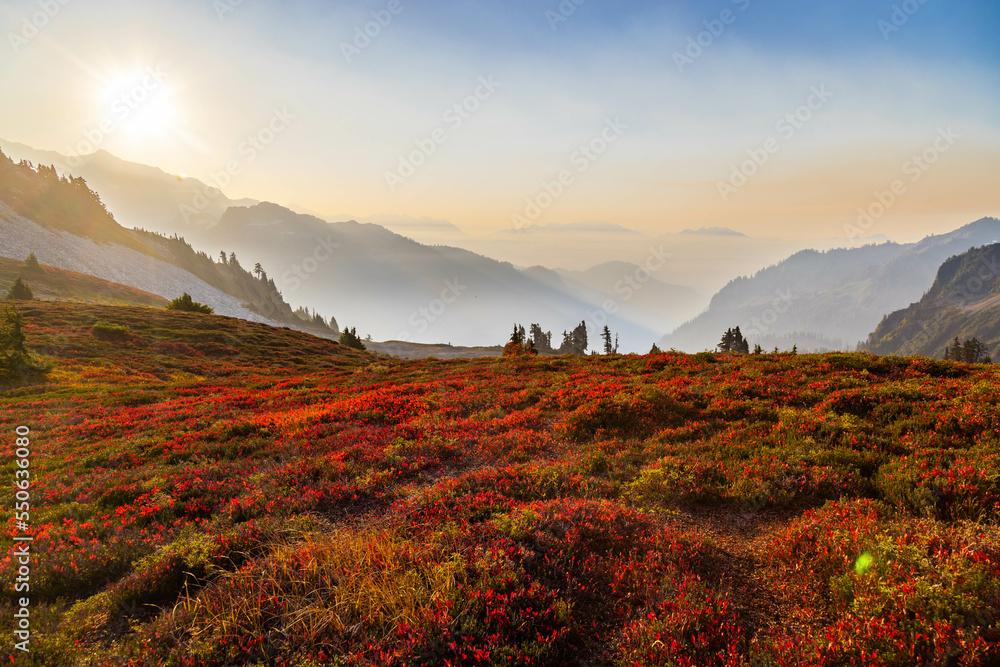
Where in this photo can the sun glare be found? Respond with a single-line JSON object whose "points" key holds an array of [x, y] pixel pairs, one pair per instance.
{"points": [[138, 104]]}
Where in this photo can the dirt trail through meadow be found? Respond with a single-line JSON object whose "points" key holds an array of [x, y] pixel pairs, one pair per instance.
{"points": [[763, 597]]}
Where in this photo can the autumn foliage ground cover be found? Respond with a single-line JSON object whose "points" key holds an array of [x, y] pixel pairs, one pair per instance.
{"points": [[215, 492]]}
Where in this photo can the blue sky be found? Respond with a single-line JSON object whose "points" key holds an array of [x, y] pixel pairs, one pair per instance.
{"points": [[954, 32], [689, 129]]}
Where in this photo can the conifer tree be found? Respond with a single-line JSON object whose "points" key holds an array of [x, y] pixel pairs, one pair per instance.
{"points": [[606, 336], [20, 291], [733, 341], [31, 264], [580, 338], [12, 339], [349, 338], [15, 361], [541, 340], [971, 352], [518, 336]]}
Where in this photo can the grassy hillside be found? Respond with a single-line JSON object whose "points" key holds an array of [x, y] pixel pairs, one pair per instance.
{"points": [[259, 294], [52, 284], [161, 344], [213, 492], [964, 302]]}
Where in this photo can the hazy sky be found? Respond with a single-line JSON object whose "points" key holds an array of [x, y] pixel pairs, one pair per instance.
{"points": [[668, 98]]}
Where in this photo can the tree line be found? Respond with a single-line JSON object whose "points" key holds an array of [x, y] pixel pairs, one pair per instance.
{"points": [[575, 341], [536, 341], [971, 352]]}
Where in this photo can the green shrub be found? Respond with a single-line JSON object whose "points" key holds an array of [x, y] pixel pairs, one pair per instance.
{"points": [[944, 483], [109, 330], [187, 304], [676, 479]]}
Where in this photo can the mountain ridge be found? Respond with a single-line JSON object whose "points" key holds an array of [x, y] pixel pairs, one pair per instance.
{"points": [[963, 302], [67, 225], [834, 297], [137, 194]]}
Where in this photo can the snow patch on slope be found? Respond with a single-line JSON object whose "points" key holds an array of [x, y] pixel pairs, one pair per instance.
{"points": [[20, 236]]}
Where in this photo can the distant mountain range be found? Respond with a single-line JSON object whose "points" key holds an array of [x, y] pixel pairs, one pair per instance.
{"points": [[713, 231], [397, 289], [426, 280], [429, 231], [634, 290], [963, 302], [385, 280], [704, 259], [827, 300]]}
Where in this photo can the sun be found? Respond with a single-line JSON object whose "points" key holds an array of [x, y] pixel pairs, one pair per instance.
{"points": [[138, 104]]}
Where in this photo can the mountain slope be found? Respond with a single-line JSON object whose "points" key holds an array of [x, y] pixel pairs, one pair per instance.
{"points": [[20, 236], [172, 346], [66, 225], [828, 299], [136, 194], [60, 203], [963, 302]]}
